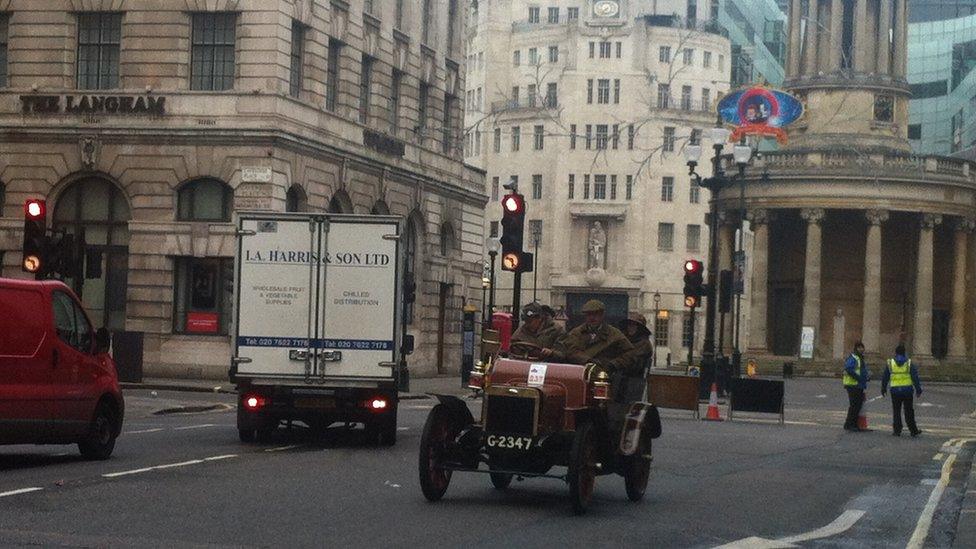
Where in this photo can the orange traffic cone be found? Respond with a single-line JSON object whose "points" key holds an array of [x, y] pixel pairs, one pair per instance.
{"points": [[862, 417], [712, 413]]}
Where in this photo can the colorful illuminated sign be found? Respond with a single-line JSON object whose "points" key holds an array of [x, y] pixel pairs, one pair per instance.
{"points": [[760, 111]]}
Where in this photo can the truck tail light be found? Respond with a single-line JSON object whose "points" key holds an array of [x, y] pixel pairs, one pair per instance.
{"points": [[378, 404], [253, 403]]}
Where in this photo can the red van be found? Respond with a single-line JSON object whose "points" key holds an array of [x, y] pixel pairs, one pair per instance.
{"points": [[58, 384]]}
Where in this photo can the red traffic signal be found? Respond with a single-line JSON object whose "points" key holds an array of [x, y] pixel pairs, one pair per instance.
{"points": [[694, 287], [35, 209], [513, 203], [693, 266]]}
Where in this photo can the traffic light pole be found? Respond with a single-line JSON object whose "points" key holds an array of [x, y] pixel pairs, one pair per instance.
{"points": [[708, 347], [516, 298], [691, 337]]}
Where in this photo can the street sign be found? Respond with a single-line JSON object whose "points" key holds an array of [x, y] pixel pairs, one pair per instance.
{"points": [[738, 272], [806, 342]]}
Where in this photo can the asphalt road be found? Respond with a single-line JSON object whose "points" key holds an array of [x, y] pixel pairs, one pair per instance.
{"points": [[185, 480]]}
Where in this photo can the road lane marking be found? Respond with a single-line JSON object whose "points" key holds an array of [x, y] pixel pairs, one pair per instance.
{"points": [[925, 519], [194, 427], [283, 448], [167, 466], [839, 525], [143, 431], [20, 491]]}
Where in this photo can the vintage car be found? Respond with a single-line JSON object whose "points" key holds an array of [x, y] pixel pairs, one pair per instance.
{"points": [[535, 416]]}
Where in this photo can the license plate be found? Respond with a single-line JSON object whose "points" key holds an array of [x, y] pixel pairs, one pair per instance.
{"points": [[509, 442], [316, 403]]}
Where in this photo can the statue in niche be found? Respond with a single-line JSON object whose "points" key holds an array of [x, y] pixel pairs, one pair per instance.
{"points": [[597, 247]]}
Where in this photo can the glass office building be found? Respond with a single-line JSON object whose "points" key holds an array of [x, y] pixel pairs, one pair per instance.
{"points": [[757, 29]]}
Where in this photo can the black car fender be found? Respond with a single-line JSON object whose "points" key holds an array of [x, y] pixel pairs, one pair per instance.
{"points": [[456, 406], [643, 422]]}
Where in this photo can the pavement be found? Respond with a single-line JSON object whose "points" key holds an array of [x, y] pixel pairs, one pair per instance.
{"points": [[183, 479]]}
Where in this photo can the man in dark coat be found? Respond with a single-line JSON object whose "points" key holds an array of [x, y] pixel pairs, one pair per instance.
{"points": [[595, 341]]}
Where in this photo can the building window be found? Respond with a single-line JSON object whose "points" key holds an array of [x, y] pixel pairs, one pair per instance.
{"points": [[630, 137], [425, 16], [530, 95], [706, 99], [884, 106], [533, 57], [365, 88], [538, 138], [553, 17], [616, 91], [604, 50], [204, 288], [332, 75], [589, 91], [572, 14], [447, 135], [297, 59], [212, 55], [592, 49], [533, 14], [667, 189], [586, 186], [396, 84], [572, 186], [204, 200], [661, 331], [668, 145], [99, 36], [707, 59], [553, 54], [537, 186], [296, 200], [629, 188], [663, 96], [423, 102], [535, 231], [615, 136], [602, 136], [721, 62], [665, 236], [517, 57], [552, 98], [693, 240], [688, 56], [686, 98], [914, 131], [695, 193], [398, 14], [493, 229], [451, 24], [515, 96], [4, 34], [589, 135], [620, 47], [686, 331], [603, 91], [494, 188], [572, 137], [599, 187], [613, 187], [516, 138], [664, 54], [497, 140]]}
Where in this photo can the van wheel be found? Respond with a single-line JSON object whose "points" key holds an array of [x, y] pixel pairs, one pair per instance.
{"points": [[246, 435], [265, 434], [100, 441]]}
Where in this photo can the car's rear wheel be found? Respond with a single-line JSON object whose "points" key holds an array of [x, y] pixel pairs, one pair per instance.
{"points": [[440, 430], [100, 440], [582, 468], [637, 471]]}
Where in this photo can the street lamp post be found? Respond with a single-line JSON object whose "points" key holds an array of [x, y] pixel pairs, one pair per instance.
{"points": [[742, 154], [657, 309], [494, 246], [536, 237]]}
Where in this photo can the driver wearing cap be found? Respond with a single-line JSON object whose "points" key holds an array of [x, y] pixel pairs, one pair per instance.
{"points": [[535, 331], [596, 341]]}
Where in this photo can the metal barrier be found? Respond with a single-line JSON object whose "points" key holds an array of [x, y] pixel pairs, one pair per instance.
{"points": [[127, 352], [763, 396], [673, 391]]}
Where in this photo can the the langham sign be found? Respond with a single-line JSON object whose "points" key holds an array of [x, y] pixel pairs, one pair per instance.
{"points": [[94, 104]]}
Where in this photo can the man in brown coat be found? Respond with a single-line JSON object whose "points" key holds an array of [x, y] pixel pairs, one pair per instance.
{"points": [[595, 341], [534, 330]]}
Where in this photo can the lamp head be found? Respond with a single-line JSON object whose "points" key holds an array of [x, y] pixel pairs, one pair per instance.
{"points": [[719, 135], [692, 153], [742, 154]]}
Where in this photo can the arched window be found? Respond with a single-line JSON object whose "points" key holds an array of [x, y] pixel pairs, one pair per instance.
{"points": [[205, 199], [296, 200], [97, 207], [340, 203], [380, 208], [447, 239]]}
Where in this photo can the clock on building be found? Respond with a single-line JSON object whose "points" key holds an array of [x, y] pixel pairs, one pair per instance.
{"points": [[606, 8]]}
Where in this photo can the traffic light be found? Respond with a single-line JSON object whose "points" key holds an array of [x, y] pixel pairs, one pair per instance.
{"points": [[35, 237], [694, 289], [513, 229]]}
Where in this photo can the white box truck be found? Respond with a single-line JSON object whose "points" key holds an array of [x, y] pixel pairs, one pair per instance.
{"points": [[318, 333]]}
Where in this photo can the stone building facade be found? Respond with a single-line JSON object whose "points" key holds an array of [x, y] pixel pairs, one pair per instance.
{"points": [[589, 105], [150, 123], [855, 237]]}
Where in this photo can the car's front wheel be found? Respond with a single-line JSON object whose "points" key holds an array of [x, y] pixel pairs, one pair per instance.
{"points": [[582, 468], [99, 443], [440, 430]]}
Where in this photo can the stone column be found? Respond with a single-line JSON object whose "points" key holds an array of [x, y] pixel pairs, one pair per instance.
{"points": [[836, 42], [922, 336], [726, 247], [901, 38], [810, 50], [860, 61], [811, 272], [793, 68], [957, 319], [871, 324], [884, 42], [759, 223]]}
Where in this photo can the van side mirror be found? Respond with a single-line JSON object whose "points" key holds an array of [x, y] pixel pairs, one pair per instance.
{"points": [[103, 340], [407, 347]]}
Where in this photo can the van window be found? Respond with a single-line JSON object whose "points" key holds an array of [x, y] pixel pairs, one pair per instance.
{"points": [[22, 314], [72, 325]]}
